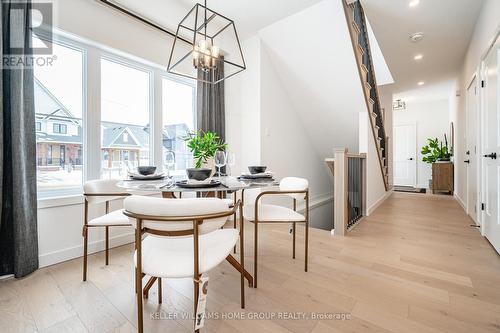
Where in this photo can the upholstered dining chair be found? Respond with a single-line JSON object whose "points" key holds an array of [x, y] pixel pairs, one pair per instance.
{"points": [[297, 189], [98, 192], [183, 239]]}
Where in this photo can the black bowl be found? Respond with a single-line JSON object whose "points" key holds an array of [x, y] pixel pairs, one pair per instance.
{"points": [[257, 169], [146, 170], [198, 174]]}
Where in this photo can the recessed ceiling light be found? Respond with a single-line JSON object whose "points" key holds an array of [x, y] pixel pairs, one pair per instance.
{"points": [[421, 83], [418, 57], [414, 3]]}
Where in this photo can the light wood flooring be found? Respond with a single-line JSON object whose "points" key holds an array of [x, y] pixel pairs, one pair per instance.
{"points": [[415, 265]]}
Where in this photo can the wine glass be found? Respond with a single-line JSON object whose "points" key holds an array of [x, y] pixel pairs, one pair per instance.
{"points": [[220, 159], [169, 161], [231, 162]]}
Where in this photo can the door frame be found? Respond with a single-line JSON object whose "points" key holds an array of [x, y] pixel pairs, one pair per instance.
{"points": [[474, 82], [414, 124], [482, 111]]}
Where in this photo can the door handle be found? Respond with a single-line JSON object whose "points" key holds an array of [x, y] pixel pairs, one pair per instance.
{"points": [[493, 156], [410, 159], [468, 161]]}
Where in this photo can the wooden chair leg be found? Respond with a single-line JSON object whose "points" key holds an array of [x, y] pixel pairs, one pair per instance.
{"points": [[235, 226], [235, 197], [307, 245], [294, 232], [138, 283], [195, 299], [160, 296], [85, 251], [107, 245], [242, 258], [256, 244]]}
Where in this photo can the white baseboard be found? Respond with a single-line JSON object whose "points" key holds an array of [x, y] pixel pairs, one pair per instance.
{"points": [[377, 203], [69, 253], [460, 201]]}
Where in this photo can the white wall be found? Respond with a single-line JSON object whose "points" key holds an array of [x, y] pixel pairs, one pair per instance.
{"points": [[487, 25], [285, 144], [323, 86], [432, 120]]}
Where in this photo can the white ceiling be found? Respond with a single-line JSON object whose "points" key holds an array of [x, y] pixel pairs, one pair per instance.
{"points": [[249, 15], [448, 26]]}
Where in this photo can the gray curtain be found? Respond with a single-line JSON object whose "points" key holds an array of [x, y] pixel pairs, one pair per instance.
{"points": [[18, 206], [210, 103]]}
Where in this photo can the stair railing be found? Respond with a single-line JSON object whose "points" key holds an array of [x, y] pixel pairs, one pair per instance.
{"points": [[361, 45]]}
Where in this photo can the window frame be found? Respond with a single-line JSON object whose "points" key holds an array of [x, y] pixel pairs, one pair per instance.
{"points": [[73, 45], [120, 60], [92, 53]]}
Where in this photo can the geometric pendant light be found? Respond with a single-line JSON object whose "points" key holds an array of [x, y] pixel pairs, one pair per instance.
{"points": [[210, 49]]}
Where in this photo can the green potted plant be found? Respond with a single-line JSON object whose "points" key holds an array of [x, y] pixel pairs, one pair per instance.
{"points": [[434, 151], [203, 146]]}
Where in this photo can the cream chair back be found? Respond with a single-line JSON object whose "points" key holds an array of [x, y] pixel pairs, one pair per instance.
{"points": [[294, 184], [167, 208], [102, 186]]}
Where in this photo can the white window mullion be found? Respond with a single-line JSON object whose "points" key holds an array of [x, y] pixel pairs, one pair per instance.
{"points": [[93, 116], [157, 121]]}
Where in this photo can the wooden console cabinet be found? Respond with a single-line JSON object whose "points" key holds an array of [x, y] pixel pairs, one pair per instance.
{"points": [[442, 177]]}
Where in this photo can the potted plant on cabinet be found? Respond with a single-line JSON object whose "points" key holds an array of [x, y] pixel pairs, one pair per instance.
{"points": [[436, 153], [203, 146]]}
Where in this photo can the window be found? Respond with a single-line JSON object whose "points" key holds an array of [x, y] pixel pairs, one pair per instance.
{"points": [[65, 114], [125, 113], [178, 121], [59, 97], [60, 129]]}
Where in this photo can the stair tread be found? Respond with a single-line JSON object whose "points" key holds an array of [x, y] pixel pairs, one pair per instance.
{"points": [[356, 26]]}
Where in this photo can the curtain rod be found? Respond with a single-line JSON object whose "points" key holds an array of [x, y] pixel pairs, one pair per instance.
{"points": [[140, 18]]}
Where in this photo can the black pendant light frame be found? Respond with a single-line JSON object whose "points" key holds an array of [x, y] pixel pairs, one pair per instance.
{"points": [[199, 30]]}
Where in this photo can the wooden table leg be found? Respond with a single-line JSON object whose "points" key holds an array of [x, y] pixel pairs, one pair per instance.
{"points": [[238, 267]]}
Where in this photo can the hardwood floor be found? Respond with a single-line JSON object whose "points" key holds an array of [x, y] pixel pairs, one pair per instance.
{"points": [[415, 265]]}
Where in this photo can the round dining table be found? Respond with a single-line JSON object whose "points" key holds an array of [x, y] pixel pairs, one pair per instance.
{"points": [[169, 188]]}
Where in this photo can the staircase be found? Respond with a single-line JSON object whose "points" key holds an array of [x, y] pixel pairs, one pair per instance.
{"points": [[359, 37]]}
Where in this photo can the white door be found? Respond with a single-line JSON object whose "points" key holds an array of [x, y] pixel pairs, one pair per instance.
{"points": [[491, 147], [405, 157], [471, 159]]}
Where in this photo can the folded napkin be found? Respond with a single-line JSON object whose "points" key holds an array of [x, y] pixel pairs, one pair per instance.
{"points": [[199, 182]]}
